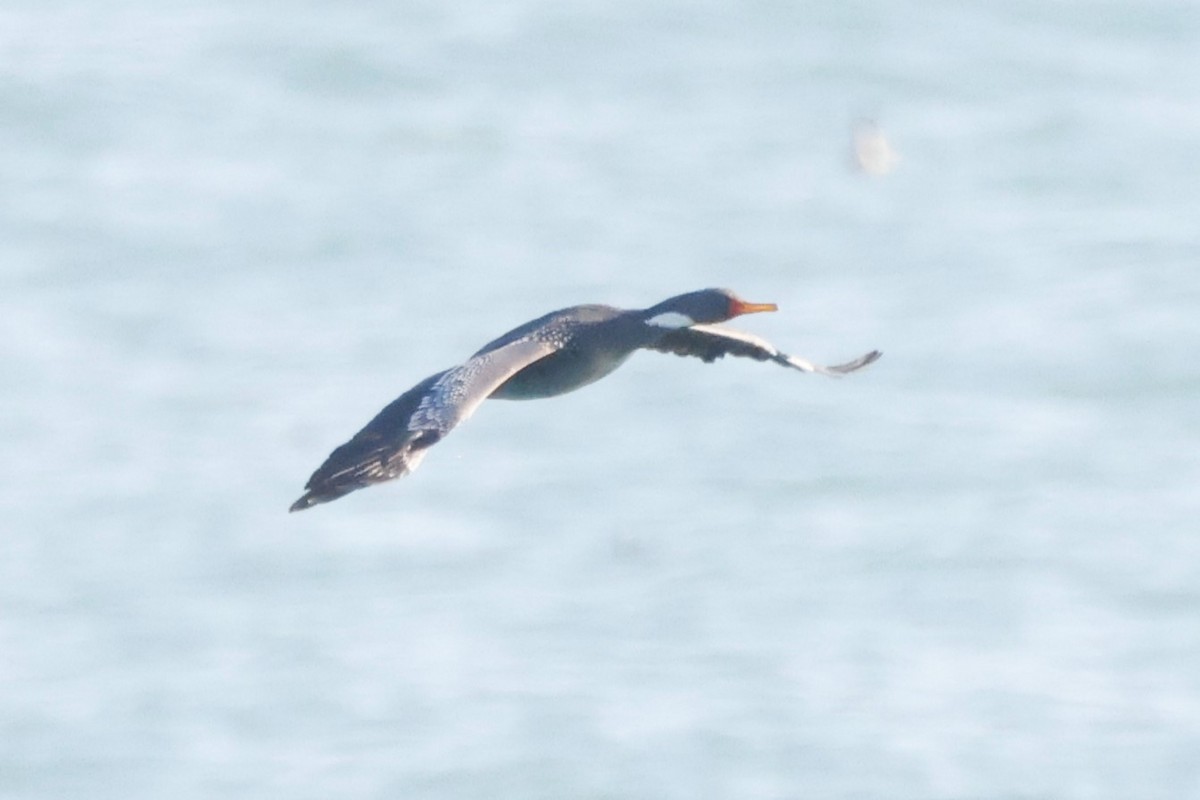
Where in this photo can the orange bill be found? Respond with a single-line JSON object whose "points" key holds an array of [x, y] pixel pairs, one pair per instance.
{"points": [[738, 307]]}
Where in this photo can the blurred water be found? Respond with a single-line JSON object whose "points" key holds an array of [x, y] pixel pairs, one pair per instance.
{"points": [[229, 234]]}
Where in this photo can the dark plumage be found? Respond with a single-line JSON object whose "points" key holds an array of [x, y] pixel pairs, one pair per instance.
{"points": [[551, 355]]}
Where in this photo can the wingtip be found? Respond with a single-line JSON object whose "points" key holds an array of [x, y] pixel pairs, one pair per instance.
{"points": [[307, 501], [856, 364]]}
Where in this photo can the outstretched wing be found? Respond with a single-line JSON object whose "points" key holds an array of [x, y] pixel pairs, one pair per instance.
{"points": [[710, 342], [393, 443]]}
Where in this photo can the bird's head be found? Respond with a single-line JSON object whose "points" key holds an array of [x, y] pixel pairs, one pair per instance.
{"points": [[702, 307]]}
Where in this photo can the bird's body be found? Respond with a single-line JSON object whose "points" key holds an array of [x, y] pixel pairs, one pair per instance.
{"points": [[551, 355], [589, 343]]}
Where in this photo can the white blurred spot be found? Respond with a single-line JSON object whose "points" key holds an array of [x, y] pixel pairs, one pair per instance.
{"points": [[873, 153]]}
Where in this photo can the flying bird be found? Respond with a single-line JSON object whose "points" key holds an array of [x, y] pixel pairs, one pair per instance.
{"points": [[551, 355]]}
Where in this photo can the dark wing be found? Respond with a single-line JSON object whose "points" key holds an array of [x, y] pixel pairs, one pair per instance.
{"points": [[710, 342], [394, 442]]}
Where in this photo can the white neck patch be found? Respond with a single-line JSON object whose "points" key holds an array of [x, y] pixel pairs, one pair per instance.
{"points": [[671, 319]]}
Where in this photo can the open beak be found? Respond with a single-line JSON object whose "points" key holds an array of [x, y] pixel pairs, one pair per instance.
{"points": [[739, 307]]}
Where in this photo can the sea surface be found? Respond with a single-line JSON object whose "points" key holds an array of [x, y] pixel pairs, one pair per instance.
{"points": [[231, 232]]}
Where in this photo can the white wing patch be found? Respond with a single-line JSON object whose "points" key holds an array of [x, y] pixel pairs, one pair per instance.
{"points": [[672, 320]]}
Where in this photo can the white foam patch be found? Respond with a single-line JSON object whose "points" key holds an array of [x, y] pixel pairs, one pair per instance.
{"points": [[671, 319]]}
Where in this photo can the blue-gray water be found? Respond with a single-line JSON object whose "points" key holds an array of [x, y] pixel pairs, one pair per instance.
{"points": [[231, 232]]}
